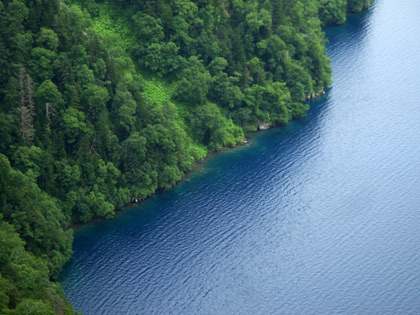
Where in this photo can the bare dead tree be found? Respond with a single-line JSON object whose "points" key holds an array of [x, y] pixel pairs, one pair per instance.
{"points": [[92, 147], [26, 107], [49, 112]]}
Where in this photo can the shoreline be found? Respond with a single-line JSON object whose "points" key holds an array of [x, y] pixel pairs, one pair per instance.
{"points": [[262, 126], [245, 142]]}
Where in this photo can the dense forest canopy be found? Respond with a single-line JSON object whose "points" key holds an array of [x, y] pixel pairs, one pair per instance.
{"points": [[102, 103]]}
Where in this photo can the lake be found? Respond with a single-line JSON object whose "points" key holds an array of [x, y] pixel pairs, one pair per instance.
{"points": [[319, 217]]}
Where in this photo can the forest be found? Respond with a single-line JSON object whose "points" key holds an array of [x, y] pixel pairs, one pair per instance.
{"points": [[104, 102]]}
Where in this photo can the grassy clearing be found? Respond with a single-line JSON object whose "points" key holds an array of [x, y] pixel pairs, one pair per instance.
{"points": [[113, 25]]}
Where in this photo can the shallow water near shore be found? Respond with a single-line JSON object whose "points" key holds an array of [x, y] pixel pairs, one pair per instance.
{"points": [[319, 217]]}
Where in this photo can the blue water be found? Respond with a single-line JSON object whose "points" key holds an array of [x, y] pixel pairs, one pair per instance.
{"points": [[320, 217]]}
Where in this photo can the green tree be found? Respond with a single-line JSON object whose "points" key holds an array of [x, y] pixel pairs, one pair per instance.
{"points": [[73, 124], [357, 5], [194, 84], [96, 98]]}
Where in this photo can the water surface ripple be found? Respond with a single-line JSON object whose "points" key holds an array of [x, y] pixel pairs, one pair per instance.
{"points": [[319, 217]]}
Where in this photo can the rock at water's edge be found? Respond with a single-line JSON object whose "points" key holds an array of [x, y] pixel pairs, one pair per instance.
{"points": [[263, 125]]}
